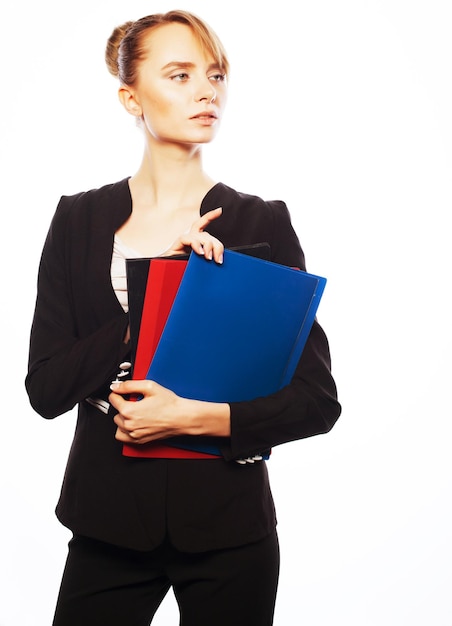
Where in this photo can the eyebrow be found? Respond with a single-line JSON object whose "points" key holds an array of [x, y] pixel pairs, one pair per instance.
{"points": [[188, 65]]}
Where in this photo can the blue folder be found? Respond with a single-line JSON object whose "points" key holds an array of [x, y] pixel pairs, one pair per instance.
{"points": [[235, 332]]}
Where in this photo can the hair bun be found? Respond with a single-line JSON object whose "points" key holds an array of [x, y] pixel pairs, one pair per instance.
{"points": [[112, 49]]}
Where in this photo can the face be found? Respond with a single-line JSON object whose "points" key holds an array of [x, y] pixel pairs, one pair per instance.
{"points": [[181, 92]]}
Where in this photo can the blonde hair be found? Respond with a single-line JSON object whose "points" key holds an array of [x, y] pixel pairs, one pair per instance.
{"points": [[125, 49]]}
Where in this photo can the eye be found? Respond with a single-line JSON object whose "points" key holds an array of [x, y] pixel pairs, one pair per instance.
{"points": [[218, 78], [181, 77]]}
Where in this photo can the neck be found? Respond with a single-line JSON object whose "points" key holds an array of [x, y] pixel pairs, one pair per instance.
{"points": [[170, 176]]}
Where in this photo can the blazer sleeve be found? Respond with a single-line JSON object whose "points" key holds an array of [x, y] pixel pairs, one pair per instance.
{"points": [[64, 367], [309, 404]]}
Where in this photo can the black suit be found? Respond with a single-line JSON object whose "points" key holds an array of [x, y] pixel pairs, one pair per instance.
{"points": [[76, 347]]}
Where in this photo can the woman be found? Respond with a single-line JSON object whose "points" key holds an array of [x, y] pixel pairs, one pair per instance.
{"points": [[206, 528]]}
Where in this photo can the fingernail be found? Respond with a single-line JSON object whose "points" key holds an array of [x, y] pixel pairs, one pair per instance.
{"points": [[114, 385]]}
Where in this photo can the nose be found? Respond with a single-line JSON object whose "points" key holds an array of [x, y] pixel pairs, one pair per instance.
{"points": [[206, 91]]}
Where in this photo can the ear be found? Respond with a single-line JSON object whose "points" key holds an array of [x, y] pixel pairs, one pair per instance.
{"points": [[130, 103]]}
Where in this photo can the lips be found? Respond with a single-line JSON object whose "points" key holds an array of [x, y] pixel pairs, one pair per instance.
{"points": [[205, 115]]}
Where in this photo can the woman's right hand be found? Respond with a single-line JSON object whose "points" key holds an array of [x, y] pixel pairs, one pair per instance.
{"points": [[198, 240]]}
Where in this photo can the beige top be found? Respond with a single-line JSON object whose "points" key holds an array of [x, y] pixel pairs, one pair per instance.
{"points": [[121, 252]]}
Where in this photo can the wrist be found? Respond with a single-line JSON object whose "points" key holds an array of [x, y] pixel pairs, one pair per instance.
{"points": [[207, 418]]}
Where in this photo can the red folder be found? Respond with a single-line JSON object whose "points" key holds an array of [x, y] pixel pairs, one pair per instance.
{"points": [[162, 284]]}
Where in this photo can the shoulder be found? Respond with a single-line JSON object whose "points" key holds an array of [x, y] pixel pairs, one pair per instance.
{"points": [[110, 201], [247, 207], [248, 218], [232, 199], [100, 211]]}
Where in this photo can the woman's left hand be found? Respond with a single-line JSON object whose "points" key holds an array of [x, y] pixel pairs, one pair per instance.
{"points": [[160, 413], [155, 416]]}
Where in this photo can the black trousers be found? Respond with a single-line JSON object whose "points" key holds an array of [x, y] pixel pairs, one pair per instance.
{"points": [[105, 585]]}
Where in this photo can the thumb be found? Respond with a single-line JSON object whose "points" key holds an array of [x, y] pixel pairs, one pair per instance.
{"points": [[143, 387]]}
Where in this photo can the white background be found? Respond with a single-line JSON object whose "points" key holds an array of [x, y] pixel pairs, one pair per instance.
{"points": [[343, 110]]}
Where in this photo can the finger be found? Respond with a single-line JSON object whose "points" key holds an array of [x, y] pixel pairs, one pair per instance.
{"points": [[124, 430], [142, 387], [120, 422], [127, 427], [124, 436], [207, 248], [205, 220], [218, 251], [117, 401], [213, 249], [194, 242]]}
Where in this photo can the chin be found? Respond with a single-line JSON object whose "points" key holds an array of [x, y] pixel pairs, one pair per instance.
{"points": [[200, 139]]}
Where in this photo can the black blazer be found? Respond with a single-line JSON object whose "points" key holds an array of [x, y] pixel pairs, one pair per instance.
{"points": [[76, 346]]}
